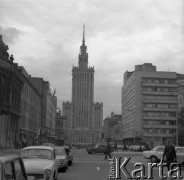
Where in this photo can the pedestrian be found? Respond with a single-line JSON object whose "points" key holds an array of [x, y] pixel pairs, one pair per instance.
{"points": [[169, 154], [108, 151], [125, 148], [115, 147]]}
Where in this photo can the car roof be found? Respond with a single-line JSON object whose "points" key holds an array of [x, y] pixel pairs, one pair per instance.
{"points": [[9, 158], [38, 147]]}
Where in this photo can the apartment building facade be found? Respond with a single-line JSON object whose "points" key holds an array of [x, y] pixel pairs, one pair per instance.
{"points": [[59, 124], [10, 97], [46, 132], [30, 118], [149, 106], [108, 126]]}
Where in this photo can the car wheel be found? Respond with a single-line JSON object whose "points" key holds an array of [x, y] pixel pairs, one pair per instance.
{"points": [[93, 152], [153, 159]]}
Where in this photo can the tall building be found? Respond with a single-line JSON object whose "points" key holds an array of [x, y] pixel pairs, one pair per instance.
{"points": [[50, 115], [48, 110], [108, 125], [59, 124], [30, 116], [83, 115], [10, 97], [149, 105]]}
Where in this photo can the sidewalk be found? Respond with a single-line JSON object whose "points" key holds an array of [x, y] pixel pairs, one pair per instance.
{"points": [[9, 152]]}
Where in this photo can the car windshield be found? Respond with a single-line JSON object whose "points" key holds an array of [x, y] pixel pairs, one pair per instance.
{"points": [[60, 151], [97, 145], [37, 153], [179, 150], [158, 148]]}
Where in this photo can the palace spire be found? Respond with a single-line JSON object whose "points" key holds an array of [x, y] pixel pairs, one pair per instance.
{"points": [[83, 41]]}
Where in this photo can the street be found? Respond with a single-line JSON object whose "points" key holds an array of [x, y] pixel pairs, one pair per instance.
{"points": [[93, 166]]}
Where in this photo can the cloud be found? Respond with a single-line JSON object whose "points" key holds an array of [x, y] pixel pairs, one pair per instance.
{"points": [[45, 37], [10, 34]]}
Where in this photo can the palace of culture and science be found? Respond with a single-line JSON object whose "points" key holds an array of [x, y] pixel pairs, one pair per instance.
{"points": [[84, 117]]}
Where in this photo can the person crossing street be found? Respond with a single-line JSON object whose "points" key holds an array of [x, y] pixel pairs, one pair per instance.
{"points": [[169, 154], [108, 151]]}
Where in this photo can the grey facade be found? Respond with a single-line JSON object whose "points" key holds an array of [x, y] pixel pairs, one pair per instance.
{"points": [[149, 105]]}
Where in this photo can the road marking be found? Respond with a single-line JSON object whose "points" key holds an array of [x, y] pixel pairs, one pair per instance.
{"points": [[98, 168]]}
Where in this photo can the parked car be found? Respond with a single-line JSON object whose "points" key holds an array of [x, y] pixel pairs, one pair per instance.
{"points": [[62, 158], [99, 148], [156, 154], [69, 155], [12, 167], [40, 162], [137, 147]]}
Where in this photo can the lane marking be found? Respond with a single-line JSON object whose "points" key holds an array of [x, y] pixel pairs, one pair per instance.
{"points": [[98, 168]]}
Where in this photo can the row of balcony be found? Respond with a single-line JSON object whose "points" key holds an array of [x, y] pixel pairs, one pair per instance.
{"points": [[149, 135], [159, 85]]}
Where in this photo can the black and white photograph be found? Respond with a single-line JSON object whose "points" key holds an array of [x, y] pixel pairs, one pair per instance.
{"points": [[91, 89]]}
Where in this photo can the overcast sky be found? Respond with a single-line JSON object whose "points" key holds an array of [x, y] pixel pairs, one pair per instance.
{"points": [[45, 37]]}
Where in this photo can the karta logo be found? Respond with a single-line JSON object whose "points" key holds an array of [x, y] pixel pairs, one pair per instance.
{"points": [[119, 168]]}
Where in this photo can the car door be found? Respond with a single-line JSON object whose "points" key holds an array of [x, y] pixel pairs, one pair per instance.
{"points": [[19, 170], [8, 171], [97, 148], [180, 154], [159, 152], [101, 148], [56, 162]]}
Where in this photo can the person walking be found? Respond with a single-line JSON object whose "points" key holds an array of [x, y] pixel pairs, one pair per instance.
{"points": [[108, 151], [115, 147], [169, 154], [125, 148]]}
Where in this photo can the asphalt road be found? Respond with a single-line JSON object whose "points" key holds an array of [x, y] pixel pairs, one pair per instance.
{"points": [[93, 166]]}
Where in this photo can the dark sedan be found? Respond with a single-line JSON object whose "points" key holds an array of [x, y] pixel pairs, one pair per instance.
{"points": [[99, 148]]}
